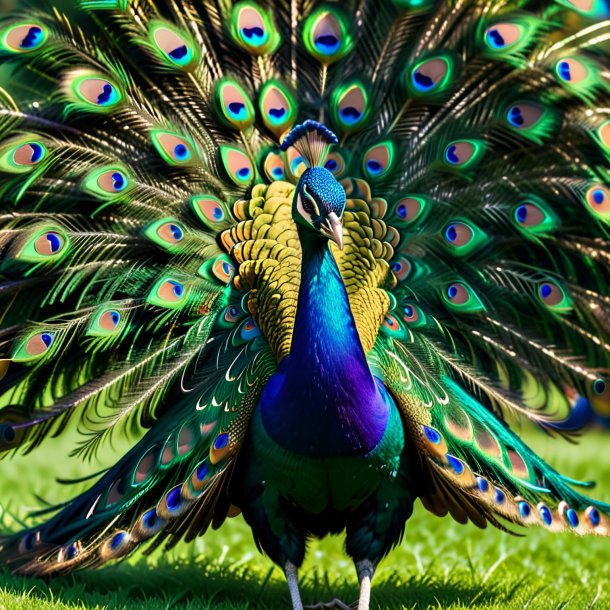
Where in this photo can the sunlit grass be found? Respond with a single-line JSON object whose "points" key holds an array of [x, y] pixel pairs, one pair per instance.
{"points": [[439, 565]]}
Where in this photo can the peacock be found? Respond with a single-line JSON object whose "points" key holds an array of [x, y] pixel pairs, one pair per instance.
{"points": [[313, 259]]}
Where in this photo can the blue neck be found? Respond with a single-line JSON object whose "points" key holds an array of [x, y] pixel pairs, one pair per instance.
{"points": [[324, 399]]}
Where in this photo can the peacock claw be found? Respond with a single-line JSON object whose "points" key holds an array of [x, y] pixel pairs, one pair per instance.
{"points": [[335, 604]]}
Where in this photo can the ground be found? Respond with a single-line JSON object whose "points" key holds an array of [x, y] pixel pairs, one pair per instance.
{"points": [[440, 564]]}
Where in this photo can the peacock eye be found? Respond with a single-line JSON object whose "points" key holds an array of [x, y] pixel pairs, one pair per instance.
{"points": [[309, 203]]}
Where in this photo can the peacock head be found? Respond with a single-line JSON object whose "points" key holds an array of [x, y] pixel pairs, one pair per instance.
{"points": [[319, 202]]}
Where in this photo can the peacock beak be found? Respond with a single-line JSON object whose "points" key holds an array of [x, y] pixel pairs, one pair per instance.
{"points": [[333, 229]]}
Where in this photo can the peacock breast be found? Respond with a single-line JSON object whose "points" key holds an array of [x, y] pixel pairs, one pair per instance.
{"points": [[319, 484]]}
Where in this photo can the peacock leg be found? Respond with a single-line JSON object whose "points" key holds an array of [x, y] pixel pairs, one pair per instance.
{"points": [[290, 570], [365, 570]]}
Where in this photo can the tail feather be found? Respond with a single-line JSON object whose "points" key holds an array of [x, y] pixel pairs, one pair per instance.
{"points": [[479, 469]]}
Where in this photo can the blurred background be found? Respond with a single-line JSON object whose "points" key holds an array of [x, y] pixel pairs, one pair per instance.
{"points": [[440, 565]]}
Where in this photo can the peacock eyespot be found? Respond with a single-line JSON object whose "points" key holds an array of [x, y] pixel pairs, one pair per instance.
{"points": [[571, 70], [456, 464], [326, 34], [523, 116], [431, 76], [433, 435], [253, 29], [218, 269], [534, 217], [349, 106], [221, 441], [108, 183], [278, 107], [237, 165], [482, 484], [379, 160], [249, 331], [593, 515], [21, 38], [224, 271], [231, 314], [554, 296], [592, 9], [49, 243], [39, 344], [110, 320], [532, 120], [171, 232], [545, 514], [92, 91], [458, 234], [509, 40], [209, 209], [461, 298], [70, 552], [502, 36], [29, 154], [457, 293], [168, 293], [150, 518], [105, 323], [414, 316], [174, 149], [401, 267], [411, 208], [172, 47], [166, 233], [462, 154], [572, 517], [233, 104], [602, 134], [392, 327], [411, 313], [28, 542], [202, 470], [7, 434], [173, 498], [597, 200], [274, 166], [524, 509], [599, 386], [34, 346], [464, 237], [22, 156]]}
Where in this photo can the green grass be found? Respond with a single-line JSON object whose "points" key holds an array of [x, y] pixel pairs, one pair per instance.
{"points": [[440, 564]]}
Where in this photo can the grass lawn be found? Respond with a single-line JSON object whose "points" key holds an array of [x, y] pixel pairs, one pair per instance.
{"points": [[439, 565]]}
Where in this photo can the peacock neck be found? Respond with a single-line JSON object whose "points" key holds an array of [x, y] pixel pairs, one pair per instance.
{"points": [[325, 400], [325, 342]]}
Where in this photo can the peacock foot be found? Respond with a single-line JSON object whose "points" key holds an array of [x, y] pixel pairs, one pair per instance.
{"points": [[335, 604]]}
